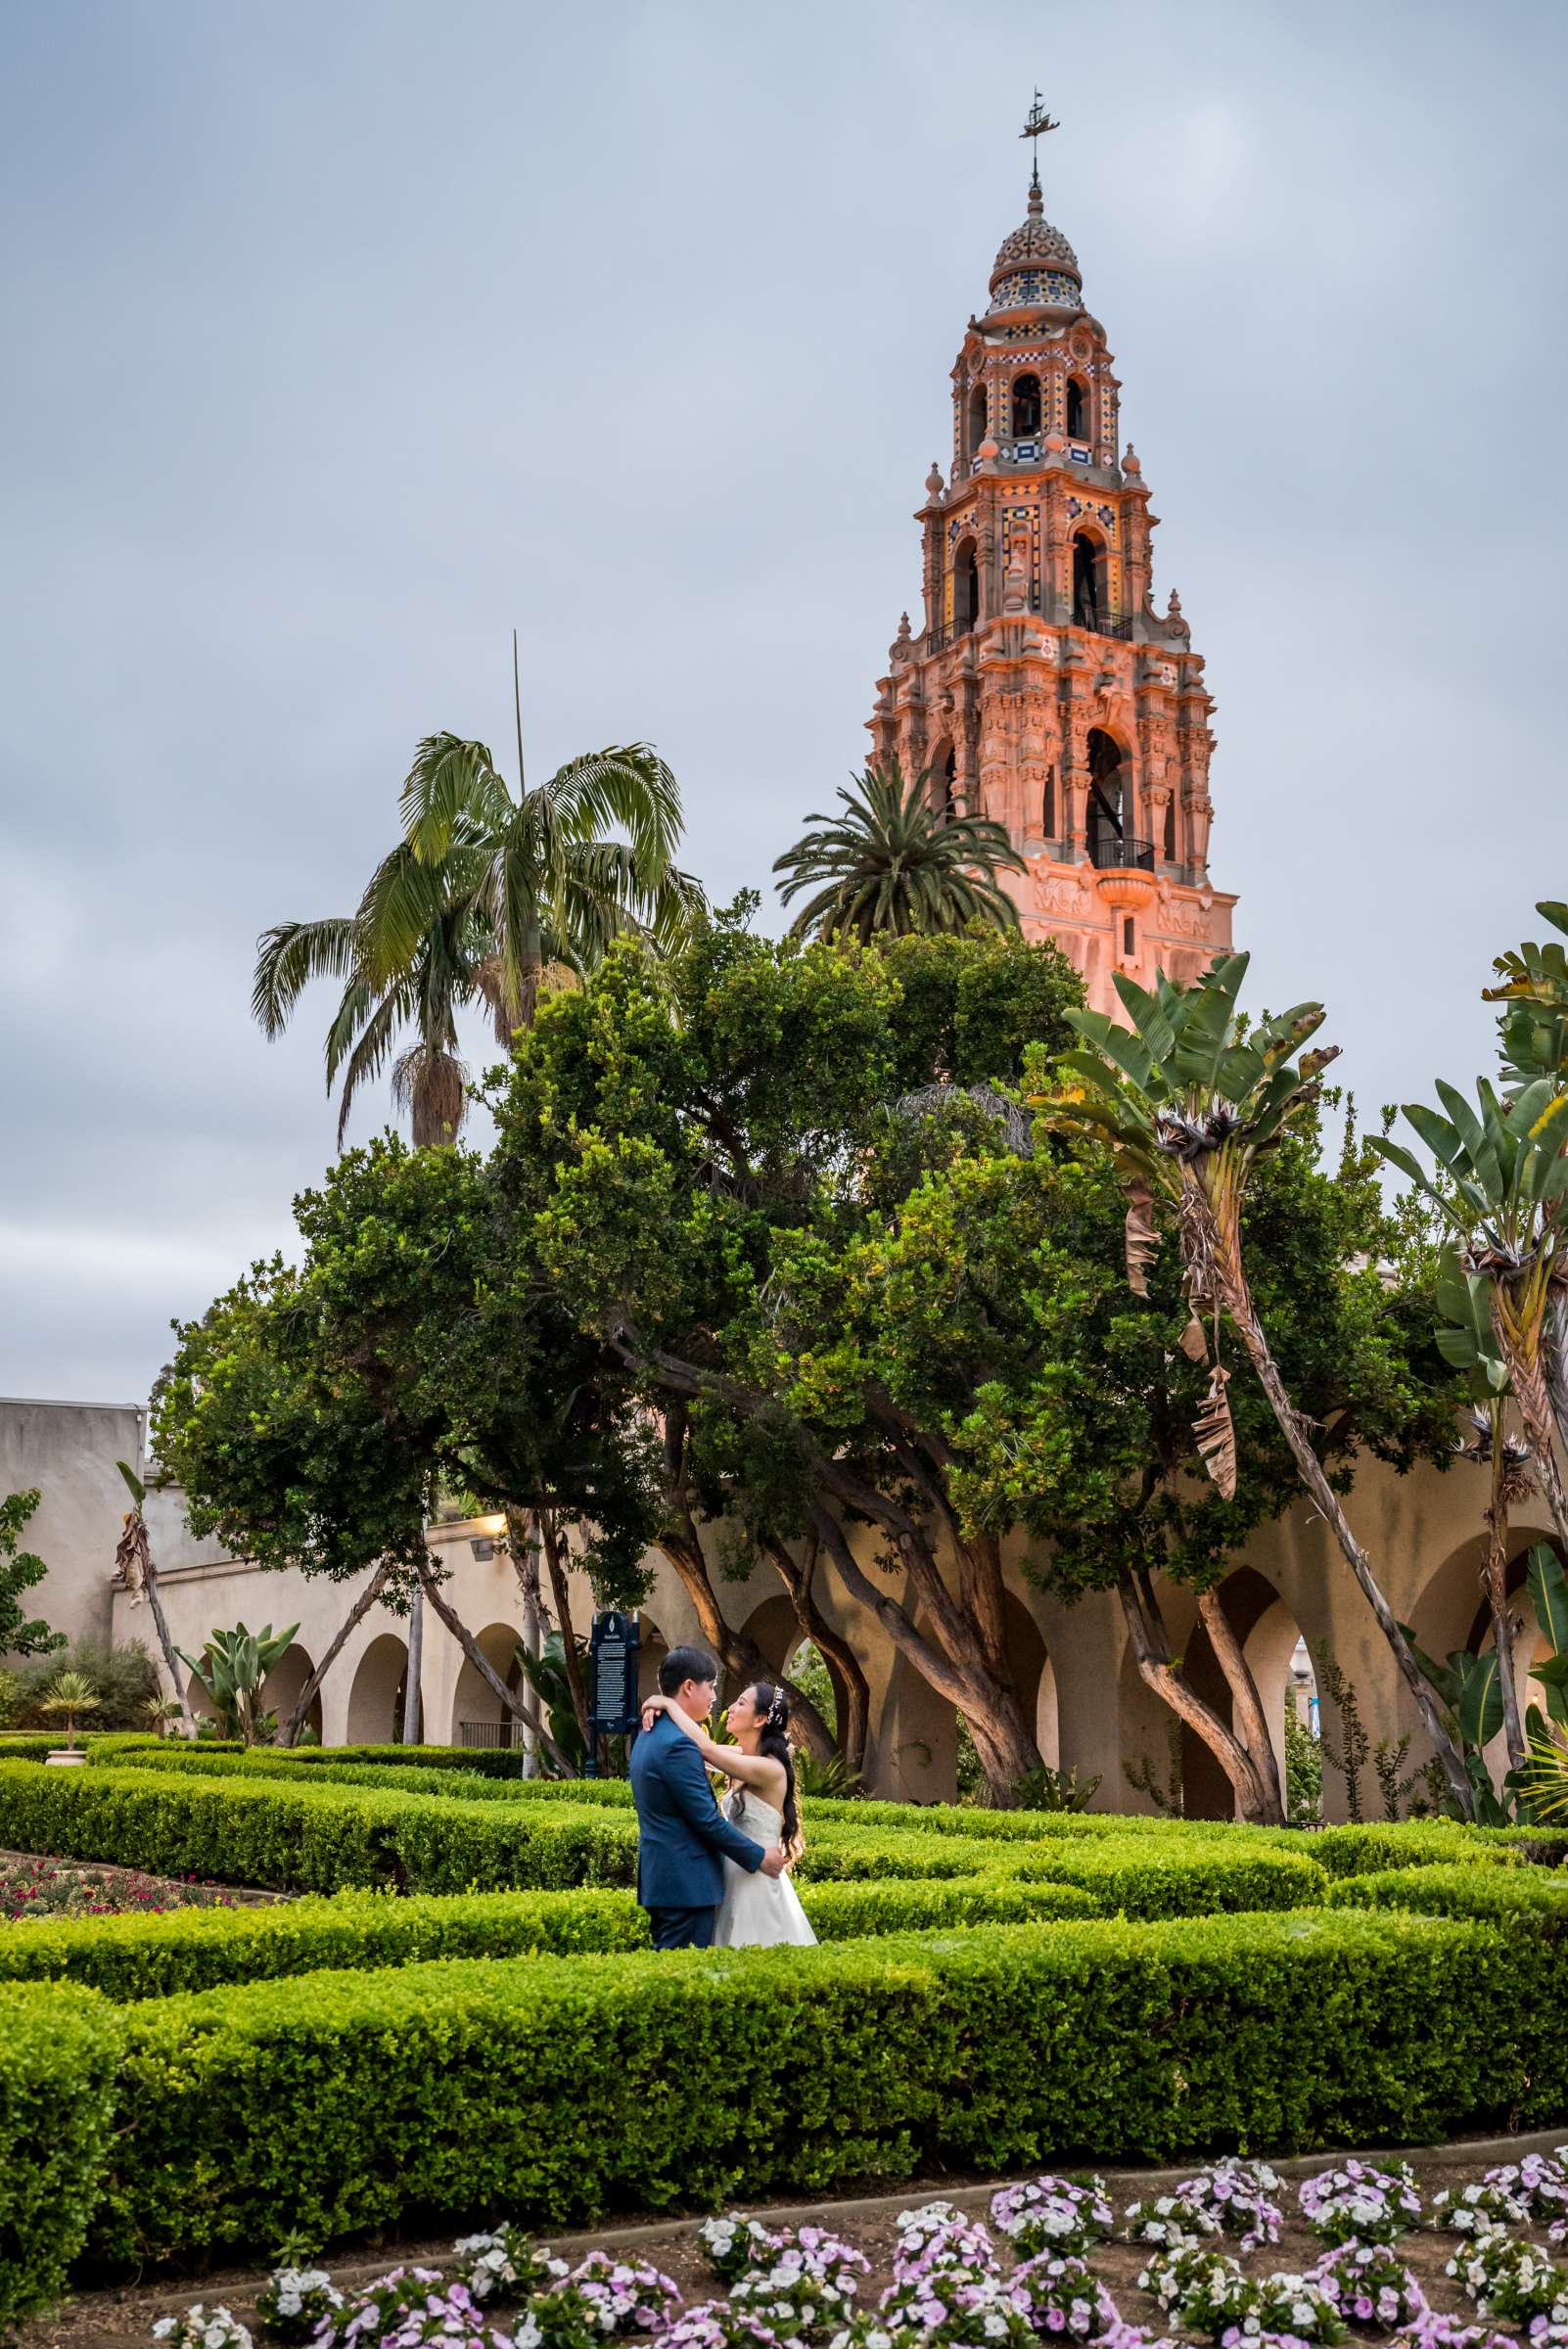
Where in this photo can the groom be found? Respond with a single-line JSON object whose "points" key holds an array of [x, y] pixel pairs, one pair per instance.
{"points": [[681, 1831]]}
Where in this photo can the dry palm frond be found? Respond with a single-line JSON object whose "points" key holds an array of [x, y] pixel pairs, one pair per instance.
{"points": [[1194, 1340], [131, 1555], [1141, 1239], [1216, 1433]]}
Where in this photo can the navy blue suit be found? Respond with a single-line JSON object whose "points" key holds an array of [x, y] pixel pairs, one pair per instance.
{"points": [[683, 1838]]}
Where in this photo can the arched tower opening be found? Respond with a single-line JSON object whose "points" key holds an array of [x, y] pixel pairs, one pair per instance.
{"points": [[1088, 581], [965, 588], [1026, 406], [975, 430], [1077, 409], [1106, 798]]}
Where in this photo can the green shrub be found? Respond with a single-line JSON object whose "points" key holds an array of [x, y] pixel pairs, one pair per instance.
{"points": [[59, 2051], [1412, 1843], [122, 1678], [557, 2089], [1180, 1875], [147, 1956]]}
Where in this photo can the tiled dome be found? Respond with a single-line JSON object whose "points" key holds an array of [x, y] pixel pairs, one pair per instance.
{"points": [[1036, 268]]}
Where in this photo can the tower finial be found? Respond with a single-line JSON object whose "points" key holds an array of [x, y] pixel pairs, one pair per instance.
{"points": [[1036, 128]]}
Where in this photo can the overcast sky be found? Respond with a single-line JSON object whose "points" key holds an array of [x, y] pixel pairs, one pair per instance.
{"points": [[344, 337]]}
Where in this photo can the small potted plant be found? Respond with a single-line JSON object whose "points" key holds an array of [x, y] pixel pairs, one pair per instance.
{"points": [[72, 1695]]}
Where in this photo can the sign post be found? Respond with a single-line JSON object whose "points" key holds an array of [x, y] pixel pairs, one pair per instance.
{"points": [[613, 1708]]}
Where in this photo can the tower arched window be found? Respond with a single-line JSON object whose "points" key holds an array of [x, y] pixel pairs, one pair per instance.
{"points": [[1026, 406], [950, 785], [1076, 410], [978, 424], [1048, 804], [1105, 798], [1089, 600], [1167, 847], [965, 589]]}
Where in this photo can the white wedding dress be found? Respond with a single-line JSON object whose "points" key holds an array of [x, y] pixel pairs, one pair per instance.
{"points": [[757, 1911]]}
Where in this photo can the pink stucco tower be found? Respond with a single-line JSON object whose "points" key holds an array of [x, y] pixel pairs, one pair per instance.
{"points": [[1044, 689]]}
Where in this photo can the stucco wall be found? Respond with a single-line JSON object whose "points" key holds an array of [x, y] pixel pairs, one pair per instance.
{"points": [[1075, 1670]]}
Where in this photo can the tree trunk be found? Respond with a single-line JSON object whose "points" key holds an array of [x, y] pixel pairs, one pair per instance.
{"points": [[1002, 1739], [851, 1689], [508, 1697], [1495, 1583], [357, 1614], [1246, 1706], [549, 1534], [171, 1660], [522, 1545], [1244, 1318], [412, 1693], [1151, 1650]]}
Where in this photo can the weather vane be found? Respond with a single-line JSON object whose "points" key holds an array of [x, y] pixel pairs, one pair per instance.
{"points": [[1038, 124]]}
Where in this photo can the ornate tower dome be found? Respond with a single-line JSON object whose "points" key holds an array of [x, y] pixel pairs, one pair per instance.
{"points": [[1045, 688], [1035, 268]]}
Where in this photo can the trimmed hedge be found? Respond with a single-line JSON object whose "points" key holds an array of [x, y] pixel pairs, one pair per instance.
{"points": [[290, 1835], [558, 2089], [179, 1950], [59, 2055]]}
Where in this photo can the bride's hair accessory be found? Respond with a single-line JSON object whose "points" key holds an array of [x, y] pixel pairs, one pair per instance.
{"points": [[778, 1711]]}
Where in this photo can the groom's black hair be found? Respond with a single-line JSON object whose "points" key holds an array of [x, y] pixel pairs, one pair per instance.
{"points": [[683, 1664]]}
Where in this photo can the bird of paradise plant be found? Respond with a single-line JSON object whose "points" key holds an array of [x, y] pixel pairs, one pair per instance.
{"points": [[1186, 1101]]}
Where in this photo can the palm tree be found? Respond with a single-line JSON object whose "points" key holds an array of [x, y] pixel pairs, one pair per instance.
{"points": [[486, 900], [1186, 1102], [896, 862]]}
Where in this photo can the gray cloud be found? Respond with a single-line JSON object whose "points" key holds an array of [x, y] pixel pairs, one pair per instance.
{"points": [[341, 341]]}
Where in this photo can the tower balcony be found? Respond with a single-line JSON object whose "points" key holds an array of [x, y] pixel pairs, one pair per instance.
{"points": [[1123, 870]]}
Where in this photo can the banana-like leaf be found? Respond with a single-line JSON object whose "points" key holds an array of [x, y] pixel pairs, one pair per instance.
{"points": [[1548, 1594], [1442, 1676], [1216, 1433], [133, 1483], [1480, 1703], [1553, 1674]]}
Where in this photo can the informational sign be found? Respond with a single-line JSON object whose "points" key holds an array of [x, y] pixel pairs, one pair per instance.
{"points": [[613, 1673]]}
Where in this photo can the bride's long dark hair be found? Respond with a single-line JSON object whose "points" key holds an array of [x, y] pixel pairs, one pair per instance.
{"points": [[774, 1703]]}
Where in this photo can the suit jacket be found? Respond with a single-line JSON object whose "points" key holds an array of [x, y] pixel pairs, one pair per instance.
{"points": [[683, 1833]]}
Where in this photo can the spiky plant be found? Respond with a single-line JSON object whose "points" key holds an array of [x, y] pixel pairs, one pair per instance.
{"points": [[1186, 1103], [1501, 1189], [896, 861]]}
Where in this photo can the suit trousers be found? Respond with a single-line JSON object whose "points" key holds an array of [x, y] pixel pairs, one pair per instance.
{"points": [[683, 1929]]}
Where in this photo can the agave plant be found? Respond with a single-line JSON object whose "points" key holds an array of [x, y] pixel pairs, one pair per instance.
{"points": [[896, 861], [232, 1666], [1501, 1188], [1186, 1103]]}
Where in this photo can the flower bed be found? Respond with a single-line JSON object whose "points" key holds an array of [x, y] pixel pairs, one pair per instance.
{"points": [[38, 1890]]}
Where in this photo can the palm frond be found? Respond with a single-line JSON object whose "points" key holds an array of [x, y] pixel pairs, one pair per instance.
{"points": [[896, 861], [289, 956]]}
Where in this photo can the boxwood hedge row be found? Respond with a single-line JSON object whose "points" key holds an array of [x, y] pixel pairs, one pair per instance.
{"points": [[155, 1955], [59, 2057], [295, 1835], [554, 2089]]}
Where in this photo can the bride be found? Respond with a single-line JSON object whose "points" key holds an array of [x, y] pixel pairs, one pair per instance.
{"points": [[757, 1912]]}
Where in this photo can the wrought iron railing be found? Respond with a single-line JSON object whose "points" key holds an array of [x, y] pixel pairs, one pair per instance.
{"points": [[489, 1733], [1103, 623], [1109, 854]]}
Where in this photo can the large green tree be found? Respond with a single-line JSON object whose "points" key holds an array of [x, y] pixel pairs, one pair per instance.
{"points": [[794, 1194]]}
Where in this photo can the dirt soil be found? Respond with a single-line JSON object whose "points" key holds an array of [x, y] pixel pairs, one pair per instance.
{"points": [[126, 2314]]}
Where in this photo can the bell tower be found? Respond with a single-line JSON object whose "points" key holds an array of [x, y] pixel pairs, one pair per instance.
{"points": [[1044, 689]]}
